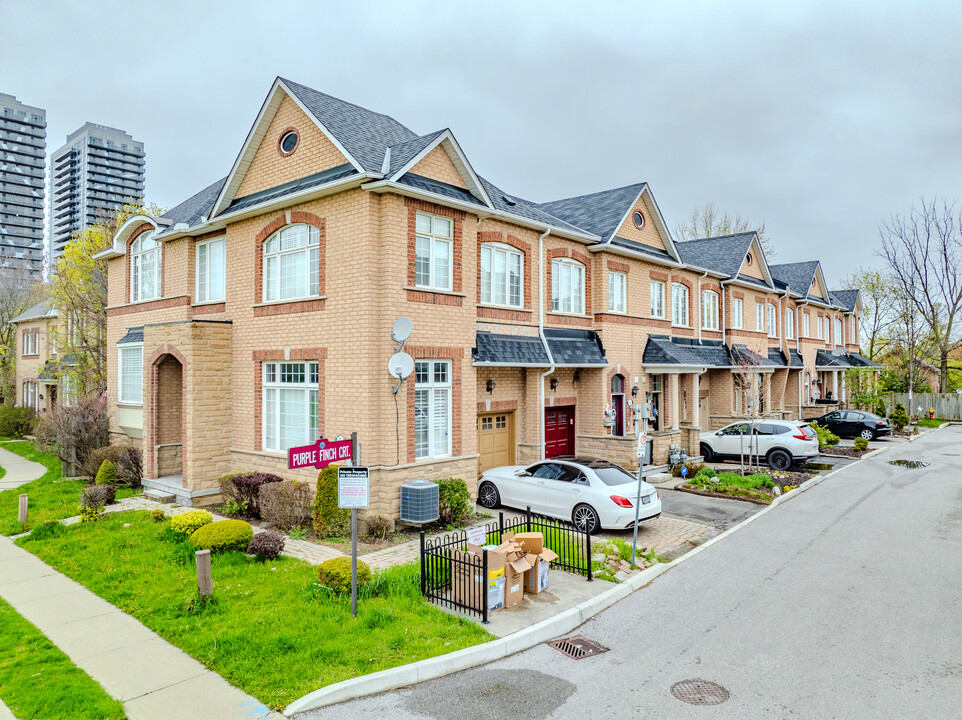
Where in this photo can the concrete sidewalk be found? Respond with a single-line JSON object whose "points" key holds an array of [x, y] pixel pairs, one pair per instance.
{"points": [[153, 679], [20, 471]]}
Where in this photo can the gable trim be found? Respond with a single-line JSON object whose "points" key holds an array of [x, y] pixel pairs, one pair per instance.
{"points": [[659, 219], [764, 266], [459, 160]]}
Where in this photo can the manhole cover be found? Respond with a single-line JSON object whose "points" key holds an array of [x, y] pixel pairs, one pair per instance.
{"points": [[578, 647], [913, 464], [699, 692]]}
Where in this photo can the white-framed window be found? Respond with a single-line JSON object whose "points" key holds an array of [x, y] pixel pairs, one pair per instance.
{"points": [[657, 289], [502, 268], [145, 262], [772, 321], [738, 312], [617, 292], [433, 250], [806, 327], [839, 340], [567, 286], [432, 408], [211, 270], [679, 304], [854, 334], [818, 327], [291, 261], [290, 404], [68, 389], [130, 374], [31, 343], [789, 323], [53, 340], [30, 395], [709, 310], [759, 317]]}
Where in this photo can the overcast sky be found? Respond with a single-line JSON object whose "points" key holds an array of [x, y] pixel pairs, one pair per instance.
{"points": [[818, 120]]}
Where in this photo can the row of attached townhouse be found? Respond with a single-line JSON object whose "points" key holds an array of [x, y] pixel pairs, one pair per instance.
{"points": [[37, 361], [257, 315]]}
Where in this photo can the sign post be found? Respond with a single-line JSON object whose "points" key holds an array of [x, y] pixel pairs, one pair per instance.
{"points": [[642, 448], [354, 491]]}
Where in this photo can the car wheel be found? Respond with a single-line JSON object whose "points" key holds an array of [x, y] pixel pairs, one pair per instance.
{"points": [[779, 460], [488, 495], [706, 452], [585, 518], [867, 434]]}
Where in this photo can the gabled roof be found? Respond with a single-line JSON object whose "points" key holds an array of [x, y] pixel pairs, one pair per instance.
{"points": [[724, 254], [36, 312], [798, 276], [600, 213], [401, 154], [447, 142], [845, 299]]}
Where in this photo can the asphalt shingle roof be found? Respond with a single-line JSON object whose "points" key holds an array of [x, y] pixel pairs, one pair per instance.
{"points": [[599, 213], [403, 153], [825, 358], [798, 275], [134, 335], [525, 208], [662, 350], [575, 347], [193, 209], [641, 248], [722, 254], [41, 310], [741, 354], [778, 357], [568, 347], [439, 188], [858, 360], [844, 298], [289, 188]]}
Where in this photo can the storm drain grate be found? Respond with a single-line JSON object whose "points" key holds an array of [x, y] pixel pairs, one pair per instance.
{"points": [[578, 647], [912, 464], [699, 692]]}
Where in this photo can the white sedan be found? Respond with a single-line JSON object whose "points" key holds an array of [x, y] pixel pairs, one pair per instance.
{"points": [[592, 493]]}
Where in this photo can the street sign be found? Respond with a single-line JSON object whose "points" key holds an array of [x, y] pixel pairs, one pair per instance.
{"points": [[319, 455], [642, 444], [353, 488], [477, 535]]}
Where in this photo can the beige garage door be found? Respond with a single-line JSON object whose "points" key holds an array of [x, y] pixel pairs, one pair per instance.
{"points": [[496, 439]]}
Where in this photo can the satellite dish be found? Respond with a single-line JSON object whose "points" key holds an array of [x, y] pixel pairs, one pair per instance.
{"points": [[401, 364], [402, 330]]}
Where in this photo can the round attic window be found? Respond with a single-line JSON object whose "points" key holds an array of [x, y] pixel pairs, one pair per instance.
{"points": [[638, 219], [813, 282], [288, 142], [749, 259]]}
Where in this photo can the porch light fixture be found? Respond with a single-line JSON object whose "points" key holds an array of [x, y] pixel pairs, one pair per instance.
{"points": [[489, 386], [553, 383], [634, 391]]}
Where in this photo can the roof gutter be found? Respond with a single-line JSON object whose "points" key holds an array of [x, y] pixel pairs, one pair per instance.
{"points": [[544, 340]]}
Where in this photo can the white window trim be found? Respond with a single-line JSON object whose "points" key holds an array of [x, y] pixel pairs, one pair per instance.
{"points": [[660, 285], [738, 313], [495, 247], [197, 273], [709, 310], [614, 279], [806, 325], [312, 273], [789, 323], [772, 314], [307, 386], [434, 239], [760, 317], [120, 373], [578, 302], [136, 266], [818, 327], [683, 289], [430, 387]]}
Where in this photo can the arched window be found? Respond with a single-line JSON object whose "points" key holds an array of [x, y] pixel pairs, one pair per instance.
{"points": [[502, 268], [145, 264], [291, 257]]}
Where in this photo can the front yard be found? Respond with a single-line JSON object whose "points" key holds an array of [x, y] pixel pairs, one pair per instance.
{"points": [[271, 629], [759, 487]]}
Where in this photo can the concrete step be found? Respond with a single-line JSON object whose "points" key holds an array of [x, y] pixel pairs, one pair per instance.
{"points": [[159, 496]]}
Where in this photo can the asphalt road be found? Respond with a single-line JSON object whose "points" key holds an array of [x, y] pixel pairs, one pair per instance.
{"points": [[843, 602]]}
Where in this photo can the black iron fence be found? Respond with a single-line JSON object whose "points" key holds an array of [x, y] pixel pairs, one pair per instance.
{"points": [[455, 578]]}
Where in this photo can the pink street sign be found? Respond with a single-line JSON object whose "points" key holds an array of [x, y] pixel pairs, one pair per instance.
{"points": [[319, 455]]}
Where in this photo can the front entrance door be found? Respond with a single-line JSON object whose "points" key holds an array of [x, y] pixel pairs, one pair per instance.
{"points": [[496, 439], [559, 431]]}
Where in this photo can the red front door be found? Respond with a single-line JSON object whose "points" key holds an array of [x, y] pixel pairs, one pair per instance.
{"points": [[559, 431]]}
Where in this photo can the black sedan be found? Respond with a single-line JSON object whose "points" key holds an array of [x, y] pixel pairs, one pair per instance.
{"points": [[855, 423]]}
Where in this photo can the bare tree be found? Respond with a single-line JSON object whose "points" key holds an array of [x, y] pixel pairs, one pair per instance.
{"points": [[879, 308], [922, 248], [709, 221], [18, 291]]}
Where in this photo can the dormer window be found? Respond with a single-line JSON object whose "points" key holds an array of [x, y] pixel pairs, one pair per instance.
{"points": [[145, 263]]}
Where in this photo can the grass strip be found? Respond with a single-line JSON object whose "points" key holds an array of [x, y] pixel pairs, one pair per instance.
{"points": [[271, 629], [37, 680], [50, 498]]}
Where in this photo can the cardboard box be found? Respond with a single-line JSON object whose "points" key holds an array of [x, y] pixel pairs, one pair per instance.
{"points": [[536, 579], [533, 542], [468, 584]]}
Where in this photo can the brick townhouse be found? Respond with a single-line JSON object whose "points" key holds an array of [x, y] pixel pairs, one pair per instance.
{"points": [[37, 378], [257, 315]]}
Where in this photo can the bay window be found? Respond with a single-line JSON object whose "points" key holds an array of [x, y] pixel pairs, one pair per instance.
{"points": [[145, 264], [567, 286], [502, 268], [290, 404], [130, 374], [709, 310], [617, 290], [210, 270], [433, 251], [291, 261], [679, 305], [432, 408]]}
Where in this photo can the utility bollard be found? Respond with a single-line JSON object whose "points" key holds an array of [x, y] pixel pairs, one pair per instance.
{"points": [[205, 581], [22, 511]]}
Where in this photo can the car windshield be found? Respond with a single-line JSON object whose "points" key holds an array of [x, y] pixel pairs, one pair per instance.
{"points": [[614, 475]]}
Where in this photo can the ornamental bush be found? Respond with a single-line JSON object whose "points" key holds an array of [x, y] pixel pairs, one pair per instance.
{"points": [[330, 521], [190, 522], [266, 545], [861, 443], [244, 489], [107, 474], [127, 461], [826, 438], [455, 505], [223, 536], [97, 496], [880, 409], [336, 574], [899, 418], [287, 504], [16, 422]]}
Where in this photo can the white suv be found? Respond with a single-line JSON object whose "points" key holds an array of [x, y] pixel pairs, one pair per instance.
{"points": [[781, 443]]}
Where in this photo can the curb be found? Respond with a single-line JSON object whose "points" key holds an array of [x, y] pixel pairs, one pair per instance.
{"points": [[442, 665]]}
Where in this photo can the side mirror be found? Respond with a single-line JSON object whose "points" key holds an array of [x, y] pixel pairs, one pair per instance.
{"points": [[521, 473]]}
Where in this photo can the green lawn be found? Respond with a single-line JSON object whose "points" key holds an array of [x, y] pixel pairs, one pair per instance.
{"points": [[38, 681], [271, 630], [746, 486], [50, 499]]}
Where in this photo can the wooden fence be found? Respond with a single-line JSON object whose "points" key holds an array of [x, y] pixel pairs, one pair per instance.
{"points": [[947, 406]]}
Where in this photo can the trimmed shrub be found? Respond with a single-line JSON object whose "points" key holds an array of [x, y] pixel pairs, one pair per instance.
{"points": [[190, 522], [880, 409], [223, 536], [861, 443], [899, 418], [157, 515], [16, 421], [266, 545], [826, 438], [287, 504], [378, 526], [107, 474], [455, 505], [336, 574], [244, 489], [127, 461], [97, 496], [329, 519]]}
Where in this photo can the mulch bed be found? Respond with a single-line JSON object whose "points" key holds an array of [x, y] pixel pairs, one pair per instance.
{"points": [[786, 478], [846, 452]]}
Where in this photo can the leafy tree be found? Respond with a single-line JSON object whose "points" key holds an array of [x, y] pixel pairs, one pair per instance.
{"points": [[878, 292], [709, 221]]}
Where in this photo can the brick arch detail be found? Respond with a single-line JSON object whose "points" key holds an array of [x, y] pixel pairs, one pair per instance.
{"points": [[577, 257], [495, 236], [296, 217], [130, 241], [150, 418]]}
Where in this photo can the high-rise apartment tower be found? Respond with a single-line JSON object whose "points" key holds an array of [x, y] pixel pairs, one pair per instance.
{"points": [[23, 133]]}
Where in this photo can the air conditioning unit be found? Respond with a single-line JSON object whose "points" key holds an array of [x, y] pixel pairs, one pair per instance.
{"points": [[419, 502]]}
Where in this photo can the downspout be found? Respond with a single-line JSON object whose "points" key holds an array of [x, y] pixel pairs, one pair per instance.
{"points": [[700, 309], [798, 349], [544, 340], [724, 323]]}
